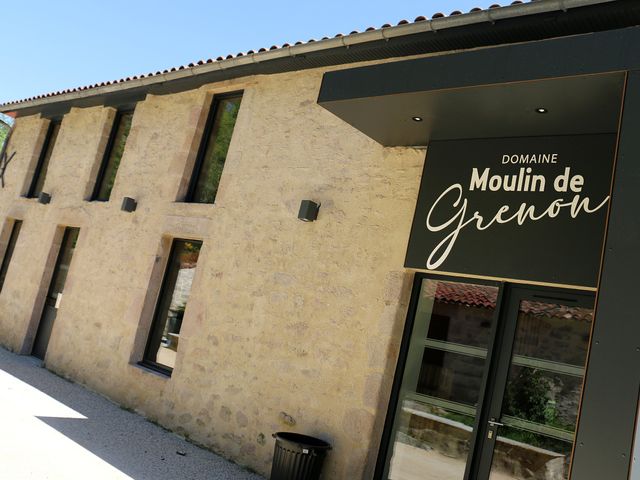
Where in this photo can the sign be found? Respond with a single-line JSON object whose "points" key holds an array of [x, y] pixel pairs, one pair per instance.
{"points": [[531, 208]]}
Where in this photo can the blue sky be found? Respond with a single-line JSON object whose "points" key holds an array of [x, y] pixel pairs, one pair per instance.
{"points": [[53, 45]]}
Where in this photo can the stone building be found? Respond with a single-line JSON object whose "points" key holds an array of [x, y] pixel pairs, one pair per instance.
{"points": [[152, 249]]}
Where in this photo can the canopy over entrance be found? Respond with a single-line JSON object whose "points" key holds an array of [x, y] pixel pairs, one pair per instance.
{"points": [[494, 92]]}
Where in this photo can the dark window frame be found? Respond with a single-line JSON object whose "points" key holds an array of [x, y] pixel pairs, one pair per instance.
{"points": [[53, 123], [107, 154], [8, 253], [405, 342], [205, 141], [156, 321], [498, 351], [58, 273]]}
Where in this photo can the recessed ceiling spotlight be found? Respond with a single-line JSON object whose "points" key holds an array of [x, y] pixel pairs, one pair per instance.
{"points": [[541, 110], [416, 119]]}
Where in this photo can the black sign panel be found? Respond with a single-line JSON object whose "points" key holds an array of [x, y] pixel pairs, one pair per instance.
{"points": [[530, 208]]}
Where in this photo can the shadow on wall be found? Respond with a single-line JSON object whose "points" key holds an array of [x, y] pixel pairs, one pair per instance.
{"points": [[56, 429]]}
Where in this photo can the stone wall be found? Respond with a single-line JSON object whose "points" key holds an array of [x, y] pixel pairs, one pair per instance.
{"points": [[289, 326]]}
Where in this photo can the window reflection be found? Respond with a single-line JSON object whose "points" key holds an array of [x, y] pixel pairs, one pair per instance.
{"points": [[8, 254], [208, 169], [442, 381], [165, 333], [540, 406], [115, 151], [451, 376], [37, 183]]}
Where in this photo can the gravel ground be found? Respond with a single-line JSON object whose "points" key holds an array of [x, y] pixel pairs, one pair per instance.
{"points": [[54, 429]]}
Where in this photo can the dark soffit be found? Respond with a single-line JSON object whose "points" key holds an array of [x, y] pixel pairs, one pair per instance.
{"points": [[587, 104], [490, 92]]}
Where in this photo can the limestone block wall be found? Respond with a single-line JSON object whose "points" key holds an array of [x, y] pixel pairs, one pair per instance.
{"points": [[289, 326]]}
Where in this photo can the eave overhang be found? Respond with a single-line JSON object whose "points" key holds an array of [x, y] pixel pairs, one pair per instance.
{"points": [[490, 92], [506, 25]]}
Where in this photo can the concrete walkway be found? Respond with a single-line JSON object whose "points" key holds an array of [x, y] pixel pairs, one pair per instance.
{"points": [[57, 430]]}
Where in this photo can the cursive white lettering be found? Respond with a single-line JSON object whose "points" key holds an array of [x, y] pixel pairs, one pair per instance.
{"points": [[524, 213]]}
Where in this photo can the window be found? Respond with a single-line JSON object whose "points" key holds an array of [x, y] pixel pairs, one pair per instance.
{"points": [[35, 189], [113, 155], [213, 149], [15, 230], [162, 344], [6, 123]]}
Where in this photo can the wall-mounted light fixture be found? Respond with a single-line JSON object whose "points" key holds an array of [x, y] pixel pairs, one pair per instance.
{"points": [[416, 119], [44, 198], [542, 110], [128, 204], [308, 210]]}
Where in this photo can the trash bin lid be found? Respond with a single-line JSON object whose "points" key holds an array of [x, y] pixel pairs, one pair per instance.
{"points": [[301, 440]]}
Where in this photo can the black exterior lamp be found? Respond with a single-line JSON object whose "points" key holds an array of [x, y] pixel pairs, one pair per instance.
{"points": [[129, 204], [44, 198], [308, 210]]}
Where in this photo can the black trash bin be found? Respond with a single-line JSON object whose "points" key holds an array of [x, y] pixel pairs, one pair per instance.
{"points": [[297, 456]]}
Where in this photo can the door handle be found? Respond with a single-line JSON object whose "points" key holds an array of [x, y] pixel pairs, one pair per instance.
{"points": [[493, 423]]}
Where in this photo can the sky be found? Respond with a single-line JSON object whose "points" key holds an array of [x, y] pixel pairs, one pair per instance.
{"points": [[54, 45]]}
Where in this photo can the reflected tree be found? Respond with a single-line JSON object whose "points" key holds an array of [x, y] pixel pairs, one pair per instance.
{"points": [[5, 157]]}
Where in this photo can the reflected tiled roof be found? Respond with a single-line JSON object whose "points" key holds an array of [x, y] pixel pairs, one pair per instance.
{"points": [[481, 296], [250, 52], [467, 294]]}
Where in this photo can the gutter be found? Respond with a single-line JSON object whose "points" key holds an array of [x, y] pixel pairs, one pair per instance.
{"points": [[490, 15]]}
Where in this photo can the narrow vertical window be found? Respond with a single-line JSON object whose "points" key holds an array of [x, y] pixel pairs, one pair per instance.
{"points": [[55, 291], [43, 162], [164, 337], [113, 155], [213, 149], [13, 238], [6, 123]]}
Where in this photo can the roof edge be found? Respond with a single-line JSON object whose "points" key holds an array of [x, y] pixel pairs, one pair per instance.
{"points": [[490, 15]]}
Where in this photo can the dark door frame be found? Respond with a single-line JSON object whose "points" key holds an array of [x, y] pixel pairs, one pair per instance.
{"points": [[499, 349], [392, 410], [499, 370], [48, 299]]}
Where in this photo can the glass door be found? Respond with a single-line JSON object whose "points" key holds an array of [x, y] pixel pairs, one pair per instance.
{"points": [[534, 410], [491, 383], [433, 431]]}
